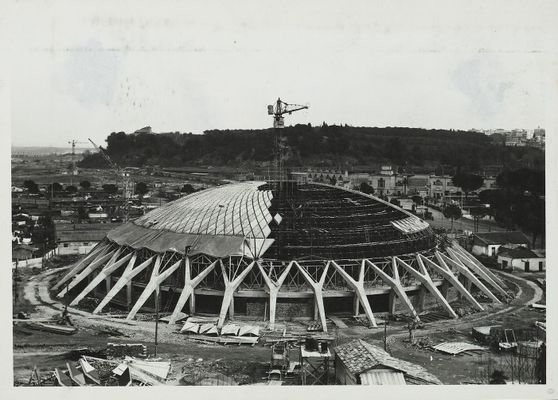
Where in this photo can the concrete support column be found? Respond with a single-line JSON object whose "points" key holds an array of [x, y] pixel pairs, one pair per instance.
{"points": [[128, 294], [448, 275], [483, 272], [395, 284], [188, 290], [468, 285], [427, 284], [192, 307], [273, 292], [230, 287], [103, 275], [318, 295], [463, 270], [356, 305], [231, 308], [96, 253], [444, 289], [360, 292], [107, 284], [420, 299], [273, 288], [391, 303], [316, 309], [153, 285], [125, 280], [90, 268]]}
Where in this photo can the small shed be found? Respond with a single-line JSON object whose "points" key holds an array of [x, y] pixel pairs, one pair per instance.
{"points": [[520, 258], [23, 252], [360, 363]]}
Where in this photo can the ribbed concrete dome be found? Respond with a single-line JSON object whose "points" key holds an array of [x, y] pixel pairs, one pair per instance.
{"points": [[257, 219], [236, 210]]}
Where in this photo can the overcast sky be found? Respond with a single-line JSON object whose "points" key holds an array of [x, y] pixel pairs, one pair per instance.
{"points": [[85, 71]]}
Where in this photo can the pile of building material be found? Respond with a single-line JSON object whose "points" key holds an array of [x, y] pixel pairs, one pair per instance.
{"points": [[529, 349], [181, 317], [484, 334], [229, 334], [117, 350], [541, 325], [92, 371], [455, 348], [296, 337], [53, 328]]}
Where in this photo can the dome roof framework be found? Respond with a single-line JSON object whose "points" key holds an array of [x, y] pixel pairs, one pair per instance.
{"points": [[249, 241]]}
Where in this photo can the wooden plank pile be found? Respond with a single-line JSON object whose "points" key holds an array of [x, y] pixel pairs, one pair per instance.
{"points": [[92, 371], [201, 330]]}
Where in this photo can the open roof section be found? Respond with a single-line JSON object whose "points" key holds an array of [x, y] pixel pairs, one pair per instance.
{"points": [[323, 221]]}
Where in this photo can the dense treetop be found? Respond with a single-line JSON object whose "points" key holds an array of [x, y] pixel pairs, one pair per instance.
{"points": [[305, 145]]}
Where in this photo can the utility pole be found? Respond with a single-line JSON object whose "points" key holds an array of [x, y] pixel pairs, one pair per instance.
{"points": [[156, 318], [385, 335]]}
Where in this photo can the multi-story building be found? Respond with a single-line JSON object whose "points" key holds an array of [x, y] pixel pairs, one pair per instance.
{"points": [[441, 188]]}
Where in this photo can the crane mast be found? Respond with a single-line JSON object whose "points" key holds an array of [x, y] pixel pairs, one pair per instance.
{"points": [[122, 174], [73, 142], [278, 111]]}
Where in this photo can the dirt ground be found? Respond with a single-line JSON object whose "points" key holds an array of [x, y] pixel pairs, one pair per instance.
{"points": [[193, 361]]}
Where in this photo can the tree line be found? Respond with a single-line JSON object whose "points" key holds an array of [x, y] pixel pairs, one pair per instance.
{"points": [[518, 202], [304, 145]]}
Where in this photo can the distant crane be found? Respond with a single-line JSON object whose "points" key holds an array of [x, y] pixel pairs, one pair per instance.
{"points": [[127, 187], [278, 111], [73, 142]]}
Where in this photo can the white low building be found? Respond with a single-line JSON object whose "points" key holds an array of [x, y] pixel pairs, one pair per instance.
{"points": [[520, 258], [80, 238], [488, 243]]}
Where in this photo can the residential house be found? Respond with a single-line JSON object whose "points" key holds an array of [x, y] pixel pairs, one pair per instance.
{"points": [[360, 363], [520, 258], [488, 243]]}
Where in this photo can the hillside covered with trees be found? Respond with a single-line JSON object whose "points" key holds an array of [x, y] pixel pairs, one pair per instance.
{"points": [[325, 146]]}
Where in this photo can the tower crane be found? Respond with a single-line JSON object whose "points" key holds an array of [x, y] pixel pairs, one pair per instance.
{"points": [[121, 172], [278, 111], [281, 108]]}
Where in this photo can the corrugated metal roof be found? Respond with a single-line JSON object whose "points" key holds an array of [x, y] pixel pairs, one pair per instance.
{"points": [[457, 347], [514, 237], [518, 252], [62, 226], [359, 356], [382, 377], [80, 236]]}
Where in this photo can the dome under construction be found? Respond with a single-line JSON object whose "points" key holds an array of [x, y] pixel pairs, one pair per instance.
{"points": [[278, 251]]}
